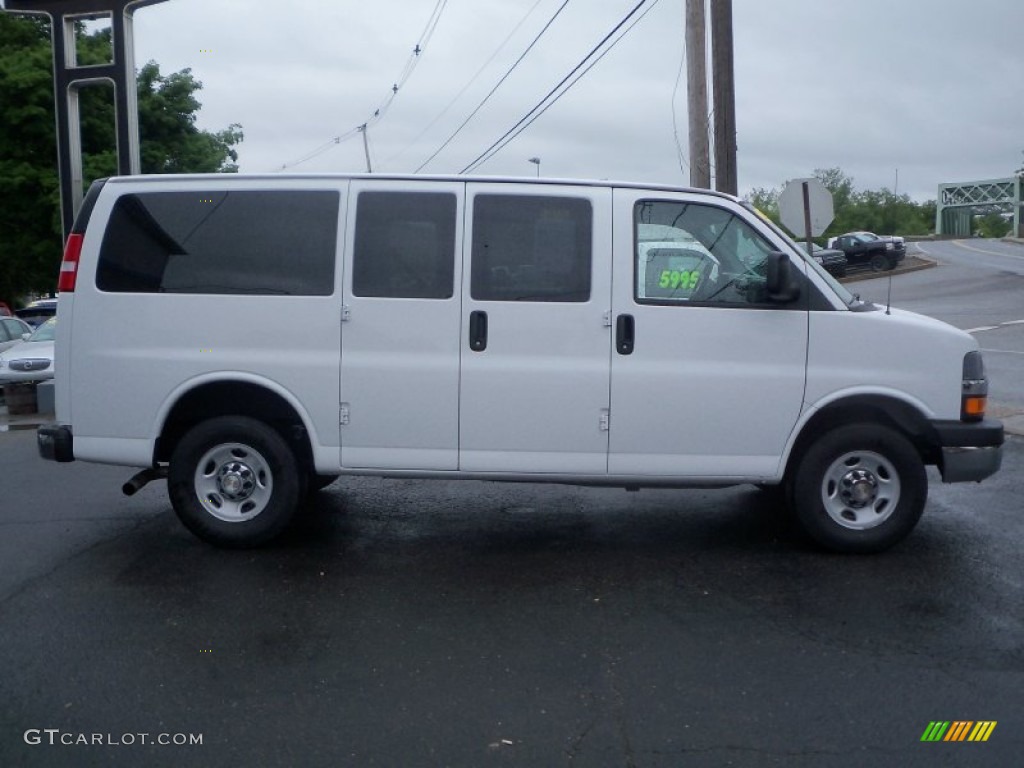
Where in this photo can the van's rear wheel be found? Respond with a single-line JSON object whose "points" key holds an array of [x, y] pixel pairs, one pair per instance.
{"points": [[860, 488], [233, 481]]}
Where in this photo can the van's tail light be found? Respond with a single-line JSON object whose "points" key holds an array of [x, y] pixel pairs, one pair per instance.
{"points": [[974, 397], [69, 267]]}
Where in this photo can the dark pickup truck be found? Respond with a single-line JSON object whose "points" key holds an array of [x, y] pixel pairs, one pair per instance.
{"points": [[874, 251]]}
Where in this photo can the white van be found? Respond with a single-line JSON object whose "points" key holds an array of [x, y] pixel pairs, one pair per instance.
{"points": [[253, 337]]}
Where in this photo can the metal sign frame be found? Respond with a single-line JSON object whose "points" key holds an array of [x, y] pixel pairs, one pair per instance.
{"points": [[69, 78]]}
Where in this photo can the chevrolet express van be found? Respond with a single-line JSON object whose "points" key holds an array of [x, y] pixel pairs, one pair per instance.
{"points": [[251, 338]]}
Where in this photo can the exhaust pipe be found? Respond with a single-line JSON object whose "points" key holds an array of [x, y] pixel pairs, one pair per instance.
{"points": [[139, 480]]}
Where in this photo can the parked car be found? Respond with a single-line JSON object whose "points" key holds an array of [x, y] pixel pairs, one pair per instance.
{"points": [[831, 259], [32, 359], [38, 311], [12, 331], [867, 248]]}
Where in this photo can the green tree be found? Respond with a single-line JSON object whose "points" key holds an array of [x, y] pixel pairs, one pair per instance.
{"points": [[30, 228], [766, 200], [29, 194], [838, 183], [993, 225]]}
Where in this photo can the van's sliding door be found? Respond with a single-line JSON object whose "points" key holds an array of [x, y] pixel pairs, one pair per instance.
{"points": [[535, 340], [401, 326]]}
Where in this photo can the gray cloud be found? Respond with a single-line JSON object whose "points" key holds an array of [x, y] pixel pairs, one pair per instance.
{"points": [[930, 87]]}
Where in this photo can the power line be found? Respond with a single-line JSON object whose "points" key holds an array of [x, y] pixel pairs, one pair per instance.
{"points": [[541, 107], [378, 114], [470, 82], [675, 125], [496, 86]]}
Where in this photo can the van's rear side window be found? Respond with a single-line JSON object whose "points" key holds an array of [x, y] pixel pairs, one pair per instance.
{"points": [[238, 242]]}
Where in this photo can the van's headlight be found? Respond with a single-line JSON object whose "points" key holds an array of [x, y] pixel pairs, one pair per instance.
{"points": [[889, 246], [974, 396]]}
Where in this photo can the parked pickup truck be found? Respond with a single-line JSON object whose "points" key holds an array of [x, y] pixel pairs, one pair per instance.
{"points": [[831, 259], [867, 248]]}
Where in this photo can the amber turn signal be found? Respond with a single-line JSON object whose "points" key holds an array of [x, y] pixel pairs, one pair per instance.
{"points": [[973, 408]]}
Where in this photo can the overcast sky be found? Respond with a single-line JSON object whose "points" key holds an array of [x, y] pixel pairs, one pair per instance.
{"points": [[928, 91]]}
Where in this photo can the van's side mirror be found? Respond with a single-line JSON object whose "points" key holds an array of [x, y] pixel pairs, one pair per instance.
{"points": [[781, 284]]}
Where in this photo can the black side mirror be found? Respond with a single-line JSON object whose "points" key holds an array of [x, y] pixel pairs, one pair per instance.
{"points": [[781, 284]]}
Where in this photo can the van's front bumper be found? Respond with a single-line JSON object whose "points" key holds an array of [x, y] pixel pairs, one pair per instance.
{"points": [[970, 451], [55, 442]]}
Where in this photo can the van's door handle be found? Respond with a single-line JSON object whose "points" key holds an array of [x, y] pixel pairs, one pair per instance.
{"points": [[624, 334], [478, 331]]}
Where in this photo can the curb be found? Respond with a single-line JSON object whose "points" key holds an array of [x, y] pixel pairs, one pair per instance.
{"points": [[910, 264]]}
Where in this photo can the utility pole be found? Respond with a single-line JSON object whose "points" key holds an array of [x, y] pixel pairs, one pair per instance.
{"points": [[724, 92], [697, 94]]}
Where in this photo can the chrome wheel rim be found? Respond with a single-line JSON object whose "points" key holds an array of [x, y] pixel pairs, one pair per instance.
{"points": [[860, 490], [233, 482]]}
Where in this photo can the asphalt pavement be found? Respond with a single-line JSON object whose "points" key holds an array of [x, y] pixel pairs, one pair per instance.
{"points": [[432, 623]]}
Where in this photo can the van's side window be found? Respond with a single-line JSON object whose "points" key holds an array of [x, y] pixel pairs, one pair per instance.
{"points": [[688, 252], [404, 245], [247, 241], [531, 248]]}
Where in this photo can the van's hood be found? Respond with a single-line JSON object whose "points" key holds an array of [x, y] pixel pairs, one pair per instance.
{"points": [[925, 322]]}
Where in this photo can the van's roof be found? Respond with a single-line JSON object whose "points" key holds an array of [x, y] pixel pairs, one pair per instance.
{"points": [[226, 177]]}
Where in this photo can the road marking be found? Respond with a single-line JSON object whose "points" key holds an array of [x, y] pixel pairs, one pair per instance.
{"points": [[962, 244], [993, 327], [1004, 351]]}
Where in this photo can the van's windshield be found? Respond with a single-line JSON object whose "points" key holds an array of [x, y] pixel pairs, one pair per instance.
{"points": [[841, 290]]}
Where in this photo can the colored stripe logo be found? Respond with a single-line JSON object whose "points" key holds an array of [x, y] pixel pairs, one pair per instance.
{"points": [[958, 730]]}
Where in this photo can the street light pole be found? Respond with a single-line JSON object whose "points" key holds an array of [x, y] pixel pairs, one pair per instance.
{"points": [[536, 161]]}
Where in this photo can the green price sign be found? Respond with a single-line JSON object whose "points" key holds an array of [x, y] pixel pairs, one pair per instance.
{"points": [[679, 278]]}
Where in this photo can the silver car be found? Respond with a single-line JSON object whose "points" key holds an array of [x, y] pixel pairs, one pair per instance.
{"points": [[12, 331], [32, 359]]}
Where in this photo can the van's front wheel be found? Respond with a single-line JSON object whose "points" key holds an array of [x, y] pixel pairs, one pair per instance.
{"points": [[233, 481], [860, 488]]}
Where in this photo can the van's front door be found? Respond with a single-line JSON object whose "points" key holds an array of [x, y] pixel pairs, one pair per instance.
{"points": [[400, 327], [712, 381], [535, 341]]}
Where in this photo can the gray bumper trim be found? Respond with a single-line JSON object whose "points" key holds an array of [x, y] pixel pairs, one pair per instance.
{"points": [[961, 465]]}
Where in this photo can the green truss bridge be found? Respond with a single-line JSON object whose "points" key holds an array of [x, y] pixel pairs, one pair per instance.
{"points": [[958, 203]]}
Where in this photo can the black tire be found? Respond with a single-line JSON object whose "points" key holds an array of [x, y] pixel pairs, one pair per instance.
{"points": [[859, 488], [319, 482], [879, 262], [234, 482]]}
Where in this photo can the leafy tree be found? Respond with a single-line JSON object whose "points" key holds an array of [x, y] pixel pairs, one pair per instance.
{"points": [[29, 195], [838, 183], [766, 200], [993, 225], [30, 227]]}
